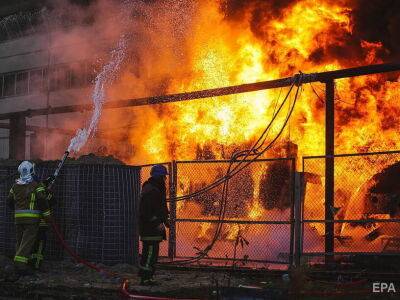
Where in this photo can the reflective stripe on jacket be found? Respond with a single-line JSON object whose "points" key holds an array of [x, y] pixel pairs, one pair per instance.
{"points": [[29, 201]]}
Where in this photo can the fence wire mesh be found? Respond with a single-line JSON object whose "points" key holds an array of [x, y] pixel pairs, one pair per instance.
{"points": [[94, 206], [256, 227], [366, 203]]}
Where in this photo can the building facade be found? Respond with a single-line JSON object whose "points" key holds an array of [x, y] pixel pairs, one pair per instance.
{"points": [[37, 71]]}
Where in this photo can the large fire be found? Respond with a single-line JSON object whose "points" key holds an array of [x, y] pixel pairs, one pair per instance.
{"points": [[228, 43], [222, 50]]}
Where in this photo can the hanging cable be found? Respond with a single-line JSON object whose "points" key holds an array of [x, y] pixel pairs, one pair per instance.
{"points": [[230, 173], [246, 153]]}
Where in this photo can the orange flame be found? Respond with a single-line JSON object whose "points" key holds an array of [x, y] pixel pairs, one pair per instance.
{"points": [[222, 52]]}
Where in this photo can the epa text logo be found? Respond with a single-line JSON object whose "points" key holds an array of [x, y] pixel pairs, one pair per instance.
{"points": [[383, 287]]}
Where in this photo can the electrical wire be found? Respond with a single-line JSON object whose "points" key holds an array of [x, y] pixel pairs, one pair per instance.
{"points": [[315, 92], [337, 97], [230, 173], [244, 153]]}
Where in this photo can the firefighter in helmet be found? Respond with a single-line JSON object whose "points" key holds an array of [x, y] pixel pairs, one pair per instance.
{"points": [[28, 198], [153, 218]]}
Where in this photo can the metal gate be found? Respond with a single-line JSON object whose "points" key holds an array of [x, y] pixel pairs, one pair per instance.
{"points": [[257, 227], [275, 216]]}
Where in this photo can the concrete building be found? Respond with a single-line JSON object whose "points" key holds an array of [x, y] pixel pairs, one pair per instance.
{"points": [[34, 74]]}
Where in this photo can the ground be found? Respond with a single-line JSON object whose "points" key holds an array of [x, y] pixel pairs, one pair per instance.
{"points": [[68, 280]]}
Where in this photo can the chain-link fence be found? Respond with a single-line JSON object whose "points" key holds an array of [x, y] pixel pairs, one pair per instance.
{"points": [[94, 208], [255, 217], [365, 208]]}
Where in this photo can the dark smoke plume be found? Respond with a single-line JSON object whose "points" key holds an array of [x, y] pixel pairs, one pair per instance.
{"points": [[372, 20]]}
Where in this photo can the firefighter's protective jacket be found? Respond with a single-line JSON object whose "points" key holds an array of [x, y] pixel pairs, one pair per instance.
{"points": [[153, 210], [29, 201]]}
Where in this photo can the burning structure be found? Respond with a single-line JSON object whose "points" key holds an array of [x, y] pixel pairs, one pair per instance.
{"points": [[254, 41], [180, 46]]}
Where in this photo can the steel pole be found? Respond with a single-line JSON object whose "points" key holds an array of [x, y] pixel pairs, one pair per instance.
{"points": [[329, 167]]}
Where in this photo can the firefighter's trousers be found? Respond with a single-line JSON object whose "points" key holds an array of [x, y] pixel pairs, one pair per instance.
{"points": [[26, 237], [39, 246], [150, 250]]}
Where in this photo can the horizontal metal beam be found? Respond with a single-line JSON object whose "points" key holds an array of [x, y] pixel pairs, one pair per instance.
{"points": [[230, 90], [225, 221]]}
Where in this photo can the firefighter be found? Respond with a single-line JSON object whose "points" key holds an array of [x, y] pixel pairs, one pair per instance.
{"points": [[41, 239], [153, 218], [28, 198]]}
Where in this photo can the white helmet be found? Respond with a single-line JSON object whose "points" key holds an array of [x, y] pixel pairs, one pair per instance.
{"points": [[26, 170]]}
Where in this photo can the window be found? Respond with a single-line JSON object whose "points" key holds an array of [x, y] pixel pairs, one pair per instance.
{"points": [[9, 85], [36, 81], [22, 83], [77, 75], [62, 76], [58, 78], [92, 69]]}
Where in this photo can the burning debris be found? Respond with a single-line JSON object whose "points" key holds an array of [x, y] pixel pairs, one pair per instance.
{"points": [[241, 189], [379, 198], [276, 185], [383, 192], [276, 182]]}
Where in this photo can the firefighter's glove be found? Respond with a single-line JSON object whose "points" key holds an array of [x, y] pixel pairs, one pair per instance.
{"points": [[49, 180]]}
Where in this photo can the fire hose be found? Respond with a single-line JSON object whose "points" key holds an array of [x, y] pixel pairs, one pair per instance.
{"points": [[58, 169], [123, 289]]}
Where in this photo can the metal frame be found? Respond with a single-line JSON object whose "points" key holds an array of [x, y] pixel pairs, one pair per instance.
{"points": [[331, 221], [173, 181], [296, 221]]}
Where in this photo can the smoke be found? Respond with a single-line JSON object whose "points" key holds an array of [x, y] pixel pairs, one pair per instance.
{"points": [[373, 21], [378, 21], [153, 36], [176, 46]]}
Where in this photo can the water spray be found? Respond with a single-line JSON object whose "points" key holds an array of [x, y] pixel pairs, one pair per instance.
{"points": [[105, 77]]}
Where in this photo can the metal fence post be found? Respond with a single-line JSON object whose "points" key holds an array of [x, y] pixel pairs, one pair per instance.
{"points": [[173, 180], [136, 217], [298, 199], [292, 210], [329, 168]]}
